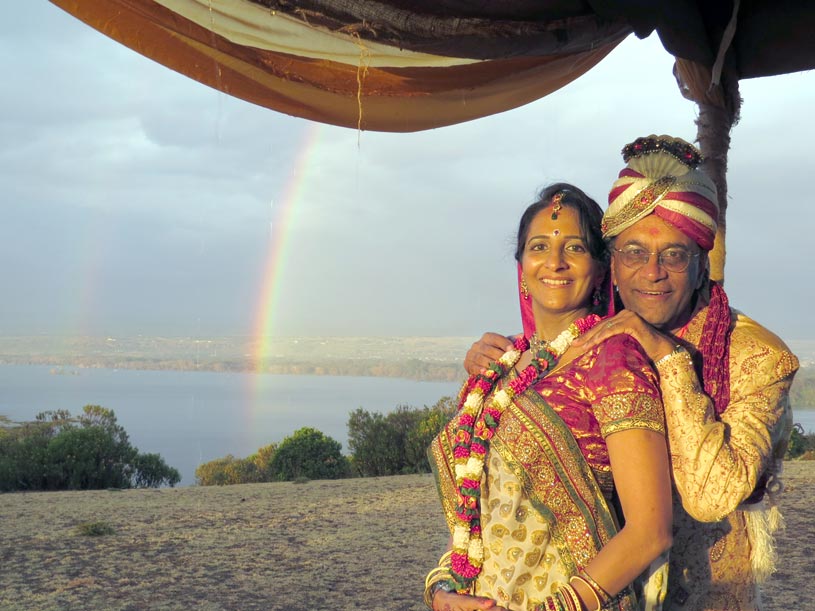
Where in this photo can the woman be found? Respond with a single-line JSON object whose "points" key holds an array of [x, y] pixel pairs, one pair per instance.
{"points": [[546, 438]]}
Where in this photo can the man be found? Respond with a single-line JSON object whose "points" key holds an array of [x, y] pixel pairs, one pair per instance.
{"points": [[728, 434]]}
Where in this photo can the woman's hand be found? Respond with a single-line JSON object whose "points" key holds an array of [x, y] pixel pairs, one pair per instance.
{"points": [[451, 601], [488, 349], [655, 344]]}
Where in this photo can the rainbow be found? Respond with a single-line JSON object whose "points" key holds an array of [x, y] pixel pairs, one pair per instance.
{"points": [[84, 290], [282, 217]]}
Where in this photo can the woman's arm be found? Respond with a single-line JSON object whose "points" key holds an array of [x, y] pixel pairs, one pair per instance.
{"points": [[639, 463]]}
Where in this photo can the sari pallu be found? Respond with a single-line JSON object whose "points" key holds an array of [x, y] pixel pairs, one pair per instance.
{"points": [[543, 514]]}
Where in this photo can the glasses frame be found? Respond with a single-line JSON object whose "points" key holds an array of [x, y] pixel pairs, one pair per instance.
{"points": [[660, 262]]}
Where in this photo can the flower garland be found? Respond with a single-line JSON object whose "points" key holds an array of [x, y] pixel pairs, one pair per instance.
{"points": [[477, 424]]}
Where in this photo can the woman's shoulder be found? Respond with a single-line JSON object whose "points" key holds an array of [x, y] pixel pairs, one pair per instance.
{"points": [[619, 359], [621, 348]]}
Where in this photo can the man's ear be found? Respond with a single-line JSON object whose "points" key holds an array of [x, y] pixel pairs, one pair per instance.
{"points": [[704, 271], [612, 272]]}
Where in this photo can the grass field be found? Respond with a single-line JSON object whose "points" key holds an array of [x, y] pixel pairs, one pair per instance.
{"points": [[336, 545]]}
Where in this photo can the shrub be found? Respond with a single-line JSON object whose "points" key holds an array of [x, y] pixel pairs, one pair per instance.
{"points": [[311, 454], [397, 442], [95, 529], [91, 451], [229, 470], [152, 472], [801, 445]]}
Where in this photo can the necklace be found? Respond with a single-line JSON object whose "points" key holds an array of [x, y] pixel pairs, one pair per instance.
{"points": [[536, 344], [477, 424]]}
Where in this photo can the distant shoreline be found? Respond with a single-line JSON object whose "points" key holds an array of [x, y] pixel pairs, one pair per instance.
{"points": [[427, 371]]}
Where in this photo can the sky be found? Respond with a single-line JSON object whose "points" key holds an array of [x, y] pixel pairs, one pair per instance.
{"points": [[138, 201]]}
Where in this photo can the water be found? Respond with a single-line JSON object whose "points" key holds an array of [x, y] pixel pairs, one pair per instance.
{"points": [[805, 417], [194, 417]]}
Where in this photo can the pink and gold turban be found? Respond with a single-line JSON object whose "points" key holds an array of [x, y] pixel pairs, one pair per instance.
{"points": [[661, 178]]}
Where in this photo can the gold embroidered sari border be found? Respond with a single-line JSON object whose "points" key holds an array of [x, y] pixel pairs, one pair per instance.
{"points": [[559, 481]]}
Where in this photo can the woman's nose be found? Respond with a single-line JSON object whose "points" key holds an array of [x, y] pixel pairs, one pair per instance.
{"points": [[555, 259]]}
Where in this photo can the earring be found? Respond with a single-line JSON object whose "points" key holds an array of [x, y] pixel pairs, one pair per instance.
{"points": [[524, 288], [595, 298]]}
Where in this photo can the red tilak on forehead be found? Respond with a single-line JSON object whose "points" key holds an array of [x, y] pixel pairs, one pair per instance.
{"points": [[654, 231]]}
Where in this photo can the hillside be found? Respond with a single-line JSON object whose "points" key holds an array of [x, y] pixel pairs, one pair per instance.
{"points": [[341, 545]]}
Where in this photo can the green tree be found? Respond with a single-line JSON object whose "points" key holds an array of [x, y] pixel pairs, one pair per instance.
{"points": [[311, 454], [431, 423], [89, 459], [367, 435], [153, 472], [57, 452], [396, 442]]}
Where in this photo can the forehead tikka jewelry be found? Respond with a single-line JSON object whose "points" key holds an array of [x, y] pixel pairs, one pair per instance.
{"points": [[556, 205]]}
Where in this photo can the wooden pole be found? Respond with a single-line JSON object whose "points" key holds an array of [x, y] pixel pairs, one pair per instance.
{"points": [[718, 112]]}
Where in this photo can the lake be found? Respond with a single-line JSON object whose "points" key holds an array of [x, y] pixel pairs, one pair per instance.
{"points": [[805, 417], [194, 417]]}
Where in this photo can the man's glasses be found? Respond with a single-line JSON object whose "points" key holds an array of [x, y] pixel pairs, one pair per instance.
{"points": [[672, 259]]}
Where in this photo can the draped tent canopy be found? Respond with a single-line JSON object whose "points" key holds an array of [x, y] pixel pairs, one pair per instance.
{"points": [[409, 65]]}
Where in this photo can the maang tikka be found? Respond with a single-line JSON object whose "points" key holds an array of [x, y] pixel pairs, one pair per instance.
{"points": [[556, 205]]}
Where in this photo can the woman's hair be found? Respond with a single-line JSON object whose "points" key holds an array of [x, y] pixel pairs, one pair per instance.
{"points": [[588, 211]]}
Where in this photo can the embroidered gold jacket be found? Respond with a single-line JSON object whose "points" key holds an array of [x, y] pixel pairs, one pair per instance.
{"points": [[720, 550]]}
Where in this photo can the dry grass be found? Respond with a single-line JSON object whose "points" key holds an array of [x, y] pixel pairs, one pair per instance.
{"points": [[353, 544]]}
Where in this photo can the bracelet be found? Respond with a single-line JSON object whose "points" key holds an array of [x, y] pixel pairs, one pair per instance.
{"points": [[591, 589], [678, 349], [439, 578], [572, 600], [564, 599], [434, 577], [603, 597]]}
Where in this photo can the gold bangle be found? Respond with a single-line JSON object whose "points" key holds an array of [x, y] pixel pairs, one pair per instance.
{"points": [[437, 574], [604, 597], [591, 589], [577, 604]]}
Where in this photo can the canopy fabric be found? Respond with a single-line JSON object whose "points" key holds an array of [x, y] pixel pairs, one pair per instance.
{"points": [[408, 65], [285, 62]]}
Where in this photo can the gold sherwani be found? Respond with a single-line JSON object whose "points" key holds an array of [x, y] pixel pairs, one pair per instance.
{"points": [[721, 545]]}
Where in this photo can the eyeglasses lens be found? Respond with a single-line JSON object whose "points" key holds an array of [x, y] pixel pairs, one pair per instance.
{"points": [[673, 260]]}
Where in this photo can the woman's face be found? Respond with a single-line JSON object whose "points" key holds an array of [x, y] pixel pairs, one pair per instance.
{"points": [[559, 271]]}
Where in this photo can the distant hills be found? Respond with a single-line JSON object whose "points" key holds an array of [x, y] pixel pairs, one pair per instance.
{"points": [[422, 358], [418, 358]]}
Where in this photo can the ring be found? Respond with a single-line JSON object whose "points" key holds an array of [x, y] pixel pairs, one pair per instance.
{"points": [[609, 325]]}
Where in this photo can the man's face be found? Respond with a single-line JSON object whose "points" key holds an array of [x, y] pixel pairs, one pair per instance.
{"points": [[661, 297]]}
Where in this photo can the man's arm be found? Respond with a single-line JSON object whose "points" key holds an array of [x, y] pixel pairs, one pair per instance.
{"points": [[717, 463]]}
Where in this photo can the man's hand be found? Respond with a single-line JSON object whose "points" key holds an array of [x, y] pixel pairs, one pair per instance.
{"points": [[488, 349], [655, 343], [450, 601]]}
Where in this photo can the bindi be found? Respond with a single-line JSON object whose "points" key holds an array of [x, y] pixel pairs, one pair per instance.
{"points": [[556, 232]]}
